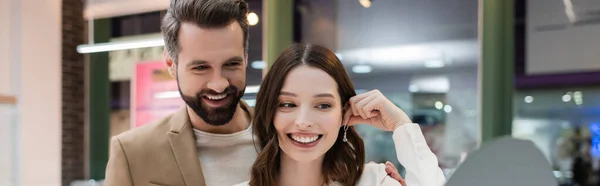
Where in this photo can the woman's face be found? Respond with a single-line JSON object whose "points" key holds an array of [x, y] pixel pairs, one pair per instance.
{"points": [[309, 114]]}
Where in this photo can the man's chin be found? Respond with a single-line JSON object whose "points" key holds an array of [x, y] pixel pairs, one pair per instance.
{"points": [[218, 116]]}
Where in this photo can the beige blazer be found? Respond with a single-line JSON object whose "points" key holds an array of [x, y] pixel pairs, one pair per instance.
{"points": [[161, 153]]}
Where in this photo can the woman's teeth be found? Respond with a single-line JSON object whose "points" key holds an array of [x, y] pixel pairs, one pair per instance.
{"points": [[303, 139], [216, 97]]}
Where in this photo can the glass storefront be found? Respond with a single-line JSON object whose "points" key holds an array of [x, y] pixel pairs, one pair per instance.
{"points": [[563, 123], [422, 55]]}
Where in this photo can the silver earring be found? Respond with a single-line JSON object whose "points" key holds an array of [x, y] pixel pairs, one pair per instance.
{"points": [[345, 132]]}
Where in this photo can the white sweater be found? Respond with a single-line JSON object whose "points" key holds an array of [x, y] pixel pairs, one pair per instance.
{"points": [[413, 153], [226, 159]]}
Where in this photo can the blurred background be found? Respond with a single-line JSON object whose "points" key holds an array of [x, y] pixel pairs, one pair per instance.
{"points": [[74, 73]]}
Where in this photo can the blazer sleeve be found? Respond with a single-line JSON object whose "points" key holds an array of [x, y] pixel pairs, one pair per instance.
{"points": [[117, 169], [413, 153]]}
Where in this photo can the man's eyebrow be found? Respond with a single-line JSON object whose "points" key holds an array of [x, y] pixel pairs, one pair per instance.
{"points": [[236, 58], [196, 62]]}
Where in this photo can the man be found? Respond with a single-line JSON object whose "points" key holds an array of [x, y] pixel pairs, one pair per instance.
{"points": [[209, 141]]}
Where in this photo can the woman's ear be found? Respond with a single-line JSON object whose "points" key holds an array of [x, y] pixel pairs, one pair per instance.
{"points": [[345, 115]]}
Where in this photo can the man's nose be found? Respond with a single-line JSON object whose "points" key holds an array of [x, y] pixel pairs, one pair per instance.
{"points": [[218, 83]]}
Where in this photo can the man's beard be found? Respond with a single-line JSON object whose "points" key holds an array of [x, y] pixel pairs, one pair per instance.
{"points": [[214, 116]]}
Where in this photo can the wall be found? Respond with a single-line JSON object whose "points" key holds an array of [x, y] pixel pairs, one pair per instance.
{"points": [[6, 117], [4, 46], [30, 44], [40, 94], [73, 89]]}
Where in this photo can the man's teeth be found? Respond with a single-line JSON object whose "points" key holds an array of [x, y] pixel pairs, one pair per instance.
{"points": [[216, 97], [303, 139]]}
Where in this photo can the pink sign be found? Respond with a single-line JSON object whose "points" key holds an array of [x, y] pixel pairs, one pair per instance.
{"points": [[155, 94]]}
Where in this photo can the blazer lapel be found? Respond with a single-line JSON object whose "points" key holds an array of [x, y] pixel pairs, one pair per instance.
{"points": [[181, 138]]}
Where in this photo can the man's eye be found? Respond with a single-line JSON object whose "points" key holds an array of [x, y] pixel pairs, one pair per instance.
{"points": [[200, 68], [232, 64]]}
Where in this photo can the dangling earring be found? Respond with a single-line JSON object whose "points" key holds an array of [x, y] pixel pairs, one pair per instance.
{"points": [[345, 139], [345, 132]]}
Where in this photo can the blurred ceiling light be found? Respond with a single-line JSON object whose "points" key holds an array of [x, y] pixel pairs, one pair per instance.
{"points": [[123, 45], [415, 54], [361, 69], [528, 99], [439, 105], [448, 108], [431, 84], [252, 18], [434, 64], [258, 64], [578, 97], [566, 98], [413, 88], [365, 3]]}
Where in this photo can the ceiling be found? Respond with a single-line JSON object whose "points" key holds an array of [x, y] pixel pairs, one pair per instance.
{"points": [[392, 35], [395, 35]]}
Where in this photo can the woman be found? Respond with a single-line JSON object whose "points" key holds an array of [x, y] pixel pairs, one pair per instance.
{"points": [[305, 110]]}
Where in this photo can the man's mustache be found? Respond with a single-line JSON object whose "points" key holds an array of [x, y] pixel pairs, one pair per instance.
{"points": [[228, 90]]}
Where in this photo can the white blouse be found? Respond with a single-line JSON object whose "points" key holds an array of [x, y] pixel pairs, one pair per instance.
{"points": [[413, 153]]}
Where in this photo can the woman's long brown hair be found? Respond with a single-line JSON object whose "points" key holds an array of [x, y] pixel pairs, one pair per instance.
{"points": [[344, 162]]}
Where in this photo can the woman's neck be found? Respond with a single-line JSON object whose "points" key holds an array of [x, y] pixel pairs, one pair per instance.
{"points": [[294, 173]]}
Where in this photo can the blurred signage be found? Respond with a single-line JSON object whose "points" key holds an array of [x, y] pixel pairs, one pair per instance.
{"points": [[562, 36], [155, 93]]}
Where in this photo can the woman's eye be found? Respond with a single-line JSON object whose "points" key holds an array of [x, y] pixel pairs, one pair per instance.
{"points": [[323, 106], [287, 105]]}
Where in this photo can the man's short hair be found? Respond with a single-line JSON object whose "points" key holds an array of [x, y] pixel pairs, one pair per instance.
{"points": [[205, 14]]}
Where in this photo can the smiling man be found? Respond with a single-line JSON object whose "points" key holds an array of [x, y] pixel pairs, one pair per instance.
{"points": [[208, 141]]}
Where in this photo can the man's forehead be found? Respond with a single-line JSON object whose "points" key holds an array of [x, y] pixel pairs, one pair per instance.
{"points": [[214, 45], [230, 34]]}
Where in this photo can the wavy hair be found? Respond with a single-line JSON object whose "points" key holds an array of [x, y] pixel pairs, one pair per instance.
{"points": [[344, 162]]}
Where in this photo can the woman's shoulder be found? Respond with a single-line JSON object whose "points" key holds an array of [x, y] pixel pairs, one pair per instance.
{"points": [[242, 184], [375, 174]]}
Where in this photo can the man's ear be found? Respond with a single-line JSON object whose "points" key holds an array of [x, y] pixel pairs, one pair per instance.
{"points": [[172, 67]]}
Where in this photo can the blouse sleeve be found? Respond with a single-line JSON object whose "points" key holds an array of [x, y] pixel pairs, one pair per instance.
{"points": [[413, 153]]}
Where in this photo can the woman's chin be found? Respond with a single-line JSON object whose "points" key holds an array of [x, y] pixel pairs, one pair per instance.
{"points": [[305, 157]]}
